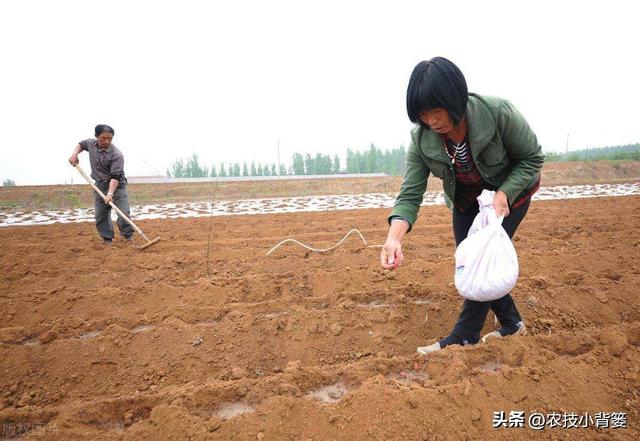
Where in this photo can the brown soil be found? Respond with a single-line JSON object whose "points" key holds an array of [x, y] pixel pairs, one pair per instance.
{"points": [[54, 197], [115, 343]]}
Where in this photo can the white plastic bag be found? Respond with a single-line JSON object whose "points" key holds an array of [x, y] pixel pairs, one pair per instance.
{"points": [[486, 261]]}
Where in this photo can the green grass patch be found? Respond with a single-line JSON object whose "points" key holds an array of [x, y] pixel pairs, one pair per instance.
{"points": [[72, 198], [9, 205]]}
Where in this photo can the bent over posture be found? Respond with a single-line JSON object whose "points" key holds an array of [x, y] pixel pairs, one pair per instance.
{"points": [[107, 169], [471, 142]]}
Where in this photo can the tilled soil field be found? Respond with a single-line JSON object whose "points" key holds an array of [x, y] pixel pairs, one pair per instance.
{"points": [[115, 343]]}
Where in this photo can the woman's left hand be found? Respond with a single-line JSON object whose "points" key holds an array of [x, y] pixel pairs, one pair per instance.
{"points": [[501, 203]]}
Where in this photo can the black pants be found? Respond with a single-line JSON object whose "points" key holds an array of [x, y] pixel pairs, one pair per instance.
{"points": [[103, 211], [473, 315]]}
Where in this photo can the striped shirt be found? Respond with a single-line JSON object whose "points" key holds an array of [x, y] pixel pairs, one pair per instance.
{"points": [[469, 182]]}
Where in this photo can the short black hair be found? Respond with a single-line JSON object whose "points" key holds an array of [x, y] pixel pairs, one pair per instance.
{"points": [[101, 128], [437, 83]]}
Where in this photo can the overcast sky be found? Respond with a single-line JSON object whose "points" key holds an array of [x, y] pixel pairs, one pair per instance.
{"points": [[228, 80]]}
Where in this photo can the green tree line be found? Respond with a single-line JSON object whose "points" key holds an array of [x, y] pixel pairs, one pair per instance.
{"points": [[372, 160], [612, 153]]}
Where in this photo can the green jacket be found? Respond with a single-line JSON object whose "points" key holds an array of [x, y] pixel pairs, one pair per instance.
{"points": [[503, 147]]}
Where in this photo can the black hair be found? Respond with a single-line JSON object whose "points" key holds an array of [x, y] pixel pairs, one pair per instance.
{"points": [[437, 83], [101, 128]]}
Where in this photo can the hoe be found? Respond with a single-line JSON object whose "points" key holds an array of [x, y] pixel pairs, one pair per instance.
{"points": [[142, 247]]}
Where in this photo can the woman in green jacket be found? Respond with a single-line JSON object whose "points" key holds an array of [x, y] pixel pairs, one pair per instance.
{"points": [[472, 143]]}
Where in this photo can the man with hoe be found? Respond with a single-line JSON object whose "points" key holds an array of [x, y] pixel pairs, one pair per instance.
{"points": [[107, 170]]}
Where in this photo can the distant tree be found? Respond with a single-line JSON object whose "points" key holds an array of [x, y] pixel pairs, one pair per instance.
{"points": [[399, 159], [321, 164], [355, 162], [611, 153], [309, 165], [8, 183], [373, 160], [193, 168], [335, 168], [297, 168], [177, 169], [327, 163], [350, 164], [223, 171], [551, 156]]}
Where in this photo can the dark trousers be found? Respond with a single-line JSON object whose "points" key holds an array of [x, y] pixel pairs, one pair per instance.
{"points": [[473, 315], [103, 211]]}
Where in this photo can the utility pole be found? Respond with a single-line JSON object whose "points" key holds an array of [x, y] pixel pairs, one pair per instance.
{"points": [[567, 146]]}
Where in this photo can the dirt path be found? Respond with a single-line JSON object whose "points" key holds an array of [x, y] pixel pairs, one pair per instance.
{"points": [[120, 344]]}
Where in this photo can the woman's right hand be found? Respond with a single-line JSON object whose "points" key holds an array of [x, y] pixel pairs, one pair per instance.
{"points": [[391, 255]]}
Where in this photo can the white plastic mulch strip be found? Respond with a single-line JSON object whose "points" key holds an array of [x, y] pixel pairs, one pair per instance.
{"points": [[291, 205]]}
